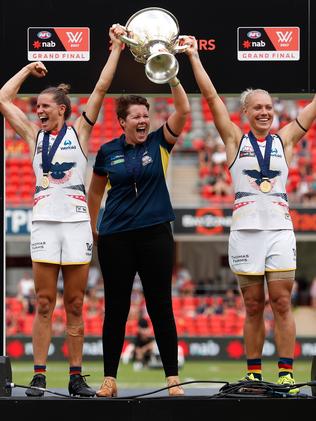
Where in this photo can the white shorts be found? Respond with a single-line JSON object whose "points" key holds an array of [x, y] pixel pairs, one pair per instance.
{"points": [[254, 252], [61, 243]]}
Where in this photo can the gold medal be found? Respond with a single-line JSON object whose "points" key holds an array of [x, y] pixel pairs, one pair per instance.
{"points": [[265, 185], [45, 181]]}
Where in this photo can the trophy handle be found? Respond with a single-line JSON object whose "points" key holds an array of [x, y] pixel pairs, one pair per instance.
{"points": [[180, 48], [127, 40]]}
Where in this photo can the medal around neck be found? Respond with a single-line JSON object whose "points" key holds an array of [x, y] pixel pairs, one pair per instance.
{"points": [[45, 181], [265, 185], [47, 156]]}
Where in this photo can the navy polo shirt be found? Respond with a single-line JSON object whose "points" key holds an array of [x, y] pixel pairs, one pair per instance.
{"points": [[137, 195]]}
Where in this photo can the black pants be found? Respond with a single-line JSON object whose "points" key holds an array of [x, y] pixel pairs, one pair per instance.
{"points": [[149, 252]]}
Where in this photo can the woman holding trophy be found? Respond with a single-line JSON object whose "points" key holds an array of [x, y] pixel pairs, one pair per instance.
{"points": [[134, 235], [262, 244], [61, 233]]}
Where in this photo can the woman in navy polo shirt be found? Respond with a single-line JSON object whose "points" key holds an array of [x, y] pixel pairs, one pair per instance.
{"points": [[135, 233]]}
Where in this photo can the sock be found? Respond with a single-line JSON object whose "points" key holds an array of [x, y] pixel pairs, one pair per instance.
{"points": [[285, 366], [73, 370], [40, 369], [254, 368]]}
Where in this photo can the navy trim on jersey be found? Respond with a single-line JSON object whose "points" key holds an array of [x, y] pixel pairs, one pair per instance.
{"points": [[137, 196]]}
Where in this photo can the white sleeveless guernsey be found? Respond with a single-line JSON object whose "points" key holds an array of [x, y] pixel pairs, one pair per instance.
{"points": [[254, 209], [64, 200]]}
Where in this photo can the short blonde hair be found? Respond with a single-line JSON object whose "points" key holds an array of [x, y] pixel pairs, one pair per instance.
{"points": [[244, 97]]}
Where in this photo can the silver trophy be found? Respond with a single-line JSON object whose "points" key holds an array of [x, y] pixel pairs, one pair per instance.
{"points": [[153, 39]]}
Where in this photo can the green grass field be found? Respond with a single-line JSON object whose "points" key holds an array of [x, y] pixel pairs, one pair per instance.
{"points": [[230, 371]]}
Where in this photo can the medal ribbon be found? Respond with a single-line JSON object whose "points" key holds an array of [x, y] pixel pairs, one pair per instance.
{"points": [[47, 157], [264, 162]]}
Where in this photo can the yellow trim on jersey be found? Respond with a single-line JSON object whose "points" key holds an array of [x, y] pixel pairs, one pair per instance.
{"points": [[108, 185], [164, 159]]}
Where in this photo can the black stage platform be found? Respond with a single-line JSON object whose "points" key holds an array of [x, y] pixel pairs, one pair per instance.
{"points": [[142, 405]]}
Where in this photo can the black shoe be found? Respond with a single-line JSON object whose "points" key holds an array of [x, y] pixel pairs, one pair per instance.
{"points": [[78, 387], [39, 380]]}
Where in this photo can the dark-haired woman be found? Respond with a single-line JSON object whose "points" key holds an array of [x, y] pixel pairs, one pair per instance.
{"points": [[135, 233]]}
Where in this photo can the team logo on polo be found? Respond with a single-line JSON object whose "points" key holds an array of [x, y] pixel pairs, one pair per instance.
{"points": [[146, 159]]}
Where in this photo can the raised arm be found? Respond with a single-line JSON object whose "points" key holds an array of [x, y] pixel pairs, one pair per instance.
{"points": [[229, 131], [96, 98], [17, 119], [95, 196], [296, 129], [177, 119], [307, 115]]}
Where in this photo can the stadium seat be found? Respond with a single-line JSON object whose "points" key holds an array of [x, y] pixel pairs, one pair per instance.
{"points": [[177, 306], [180, 324], [14, 200], [190, 326], [26, 198], [27, 324], [216, 324], [202, 325], [14, 304], [131, 327], [93, 325]]}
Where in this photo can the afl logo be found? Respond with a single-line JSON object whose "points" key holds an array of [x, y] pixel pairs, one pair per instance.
{"points": [[44, 35], [254, 34]]}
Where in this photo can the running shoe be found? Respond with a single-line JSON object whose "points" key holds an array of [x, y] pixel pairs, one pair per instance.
{"points": [[288, 380], [78, 387], [39, 380]]}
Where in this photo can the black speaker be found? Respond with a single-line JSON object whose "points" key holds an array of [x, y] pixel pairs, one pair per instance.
{"points": [[5, 376], [313, 375]]}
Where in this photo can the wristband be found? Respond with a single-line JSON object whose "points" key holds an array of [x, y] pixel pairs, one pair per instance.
{"points": [[176, 83]]}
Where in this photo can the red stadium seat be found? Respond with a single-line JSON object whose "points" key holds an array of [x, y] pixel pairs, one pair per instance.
{"points": [[202, 325], [93, 325], [27, 324], [131, 327], [216, 324]]}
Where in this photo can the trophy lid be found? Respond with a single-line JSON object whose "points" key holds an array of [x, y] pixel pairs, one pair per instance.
{"points": [[153, 24]]}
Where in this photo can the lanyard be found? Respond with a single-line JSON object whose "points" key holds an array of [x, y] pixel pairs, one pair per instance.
{"points": [[47, 157], [133, 162], [264, 162]]}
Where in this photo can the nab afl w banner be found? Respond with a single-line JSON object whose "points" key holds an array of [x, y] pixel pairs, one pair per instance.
{"points": [[269, 44], [58, 44]]}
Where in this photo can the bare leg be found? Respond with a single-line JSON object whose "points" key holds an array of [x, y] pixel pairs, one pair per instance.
{"points": [[254, 328], [284, 331], [75, 283], [45, 279]]}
